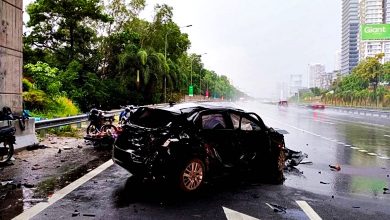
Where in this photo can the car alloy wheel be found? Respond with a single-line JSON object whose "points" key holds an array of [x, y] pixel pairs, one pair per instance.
{"points": [[191, 177]]}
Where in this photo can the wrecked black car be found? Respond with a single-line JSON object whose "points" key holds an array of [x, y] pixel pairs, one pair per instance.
{"points": [[187, 143]]}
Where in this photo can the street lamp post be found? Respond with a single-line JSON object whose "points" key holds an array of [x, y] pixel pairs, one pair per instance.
{"points": [[191, 65], [200, 81], [165, 56]]}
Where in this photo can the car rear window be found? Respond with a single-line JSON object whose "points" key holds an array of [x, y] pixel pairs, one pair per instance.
{"points": [[151, 118]]}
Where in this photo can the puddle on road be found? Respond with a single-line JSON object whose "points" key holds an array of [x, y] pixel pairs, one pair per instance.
{"points": [[16, 197]]}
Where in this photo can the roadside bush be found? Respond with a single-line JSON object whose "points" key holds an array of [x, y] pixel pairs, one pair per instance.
{"points": [[62, 107], [35, 99], [27, 85]]}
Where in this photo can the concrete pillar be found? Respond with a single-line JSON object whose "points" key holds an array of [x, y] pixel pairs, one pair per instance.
{"points": [[11, 55]]}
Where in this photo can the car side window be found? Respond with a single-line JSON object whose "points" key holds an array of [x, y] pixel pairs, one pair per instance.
{"points": [[213, 121], [249, 125], [235, 120]]}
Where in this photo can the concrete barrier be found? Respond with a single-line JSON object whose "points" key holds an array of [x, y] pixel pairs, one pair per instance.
{"points": [[24, 137]]}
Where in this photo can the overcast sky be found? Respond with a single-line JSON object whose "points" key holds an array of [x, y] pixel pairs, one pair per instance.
{"points": [[259, 43]]}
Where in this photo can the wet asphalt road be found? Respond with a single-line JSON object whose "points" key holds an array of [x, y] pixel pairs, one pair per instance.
{"points": [[359, 144]]}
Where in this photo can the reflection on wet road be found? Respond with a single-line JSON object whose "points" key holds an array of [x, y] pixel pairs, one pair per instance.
{"points": [[360, 144]]}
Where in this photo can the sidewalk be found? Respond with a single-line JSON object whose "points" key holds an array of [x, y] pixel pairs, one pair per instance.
{"points": [[36, 174]]}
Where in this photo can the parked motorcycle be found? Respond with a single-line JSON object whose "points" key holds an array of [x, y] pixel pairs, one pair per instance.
{"points": [[7, 141], [99, 121]]}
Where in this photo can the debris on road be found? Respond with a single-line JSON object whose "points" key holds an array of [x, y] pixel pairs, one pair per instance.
{"points": [[356, 207], [324, 182], [36, 147], [75, 213], [4, 183], [28, 185], [306, 162], [293, 158], [335, 167], [89, 215], [276, 208]]}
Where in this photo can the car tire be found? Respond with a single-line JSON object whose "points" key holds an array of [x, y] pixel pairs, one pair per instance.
{"points": [[278, 163], [191, 175]]}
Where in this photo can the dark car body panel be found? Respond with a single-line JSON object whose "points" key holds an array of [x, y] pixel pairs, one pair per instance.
{"points": [[154, 149]]}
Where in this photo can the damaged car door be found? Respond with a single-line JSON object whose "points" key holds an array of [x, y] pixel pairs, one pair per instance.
{"points": [[217, 134], [253, 140]]}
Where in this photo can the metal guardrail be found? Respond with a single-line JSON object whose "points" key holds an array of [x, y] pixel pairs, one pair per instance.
{"points": [[57, 122], [361, 111]]}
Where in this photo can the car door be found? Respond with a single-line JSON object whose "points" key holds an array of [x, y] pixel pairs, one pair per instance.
{"points": [[253, 140], [217, 133]]}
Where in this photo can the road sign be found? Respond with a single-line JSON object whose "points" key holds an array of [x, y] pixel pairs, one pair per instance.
{"points": [[191, 90]]}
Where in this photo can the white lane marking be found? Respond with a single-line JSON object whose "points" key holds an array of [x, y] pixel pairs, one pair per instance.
{"points": [[327, 122], [308, 210], [386, 135], [234, 215], [384, 157], [341, 143], [31, 212], [347, 145], [372, 154], [357, 122], [325, 138]]}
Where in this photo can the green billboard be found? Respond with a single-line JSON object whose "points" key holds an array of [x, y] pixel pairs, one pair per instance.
{"points": [[375, 32]]}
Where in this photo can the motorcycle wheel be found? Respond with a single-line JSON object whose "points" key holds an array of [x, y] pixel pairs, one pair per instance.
{"points": [[191, 175], [6, 152], [91, 129], [109, 127]]}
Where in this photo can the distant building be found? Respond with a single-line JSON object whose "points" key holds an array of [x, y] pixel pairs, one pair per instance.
{"points": [[337, 60], [325, 80], [349, 32], [315, 73], [295, 84], [374, 12], [283, 91]]}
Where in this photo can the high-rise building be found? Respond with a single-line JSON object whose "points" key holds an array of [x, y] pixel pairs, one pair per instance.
{"points": [[349, 32], [337, 60], [295, 83], [315, 72], [374, 12]]}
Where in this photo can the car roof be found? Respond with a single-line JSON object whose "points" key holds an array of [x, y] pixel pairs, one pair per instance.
{"points": [[191, 106]]}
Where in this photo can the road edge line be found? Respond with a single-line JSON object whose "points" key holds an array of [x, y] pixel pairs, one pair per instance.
{"points": [[36, 209], [308, 210]]}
